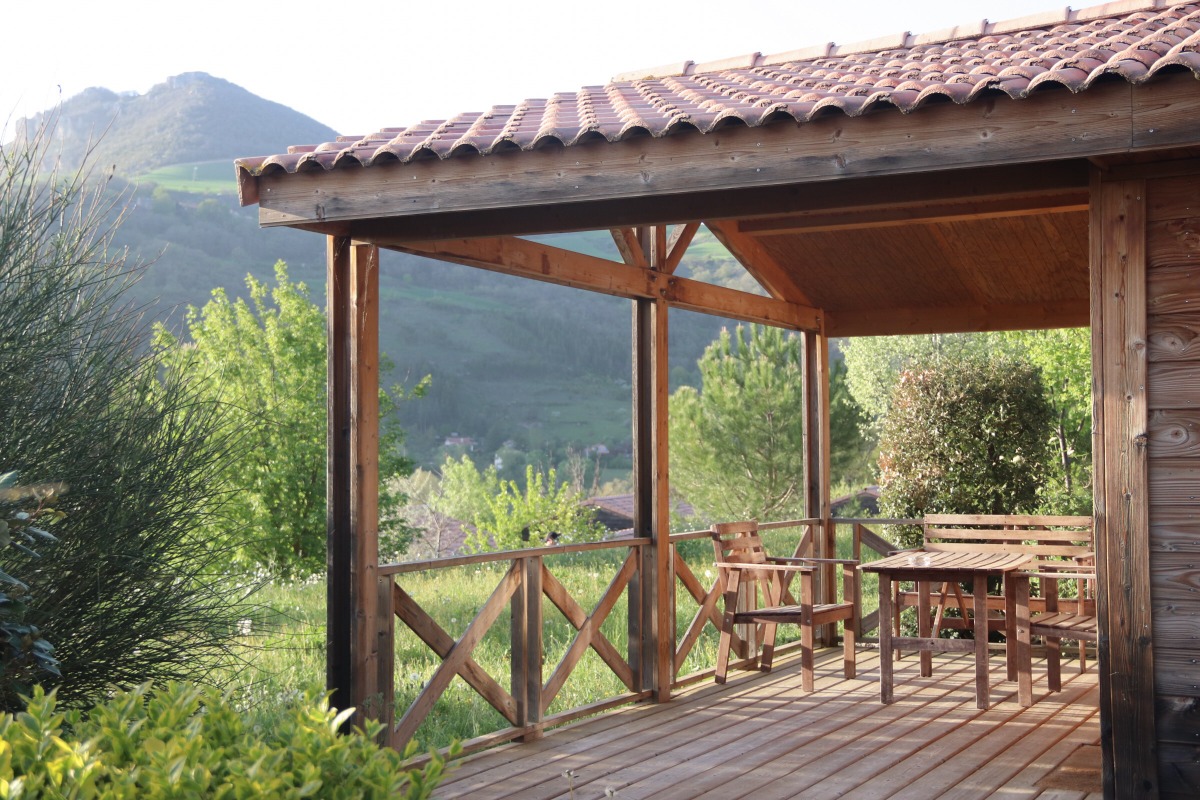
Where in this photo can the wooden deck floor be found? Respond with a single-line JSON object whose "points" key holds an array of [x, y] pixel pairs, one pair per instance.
{"points": [[761, 737]]}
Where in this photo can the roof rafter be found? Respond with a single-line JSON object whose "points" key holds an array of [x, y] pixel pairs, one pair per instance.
{"points": [[762, 266]]}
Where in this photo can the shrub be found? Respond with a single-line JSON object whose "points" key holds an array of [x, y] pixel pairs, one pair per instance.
{"points": [[183, 741], [965, 436], [129, 593]]}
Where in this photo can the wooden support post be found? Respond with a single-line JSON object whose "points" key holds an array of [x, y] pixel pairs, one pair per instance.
{"points": [[642, 618], [355, 628], [652, 500], [816, 467], [527, 653], [1119, 364]]}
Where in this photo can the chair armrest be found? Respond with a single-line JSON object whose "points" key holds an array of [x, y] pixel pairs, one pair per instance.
{"points": [[906, 550], [812, 561]]}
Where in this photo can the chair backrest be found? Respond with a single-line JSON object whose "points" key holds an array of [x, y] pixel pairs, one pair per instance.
{"points": [[1046, 538], [739, 543]]}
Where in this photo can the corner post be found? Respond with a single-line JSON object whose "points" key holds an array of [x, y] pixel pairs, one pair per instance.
{"points": [[1121, 487], [356, 631]]}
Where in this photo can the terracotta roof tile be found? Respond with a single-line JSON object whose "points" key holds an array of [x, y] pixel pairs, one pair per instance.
{"points": [[1134, 39]]}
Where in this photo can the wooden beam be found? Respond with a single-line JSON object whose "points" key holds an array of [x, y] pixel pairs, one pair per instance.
{"points": [[1121, 488], [1110, 117], [776, 278], [921, 214], [568, 268], [681, 237], [966, 183], [629, 247], [958, 319], [661, 514]]}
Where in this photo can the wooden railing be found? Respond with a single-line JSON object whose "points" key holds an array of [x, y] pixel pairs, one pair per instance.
{"points": [[523, 588]]}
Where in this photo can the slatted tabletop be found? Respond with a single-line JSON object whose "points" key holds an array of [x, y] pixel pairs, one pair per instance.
{"points": [[761, 736]]}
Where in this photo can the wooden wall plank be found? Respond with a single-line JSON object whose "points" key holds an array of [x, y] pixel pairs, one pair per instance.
{"points": [[1176, 579], [1175, 481], [1179, 770], [1175, 528], [1122, 499], [1179, 672], [1174, 197], [1176, 625], [1178, 719], [1174, 384], [1174, 243], [1175, 433], [1173, 289], [1175, 336]]}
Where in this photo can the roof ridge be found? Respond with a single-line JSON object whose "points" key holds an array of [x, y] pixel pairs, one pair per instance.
{"points": [[905, 39]]}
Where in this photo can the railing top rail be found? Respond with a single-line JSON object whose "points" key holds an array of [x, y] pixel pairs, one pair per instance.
{"points": [[508, 555]]}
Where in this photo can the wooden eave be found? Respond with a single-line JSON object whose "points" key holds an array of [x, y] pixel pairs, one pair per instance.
{"points": [[950, 218]]}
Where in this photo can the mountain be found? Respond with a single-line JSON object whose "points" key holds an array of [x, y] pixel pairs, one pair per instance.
{"points": [[191, 117], [525, 369]]}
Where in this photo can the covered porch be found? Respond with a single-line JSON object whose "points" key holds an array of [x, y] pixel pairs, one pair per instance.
{"points": [[1034, 173]]}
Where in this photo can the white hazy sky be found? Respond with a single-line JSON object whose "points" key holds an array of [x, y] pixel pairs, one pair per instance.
{"points": [[358, 67]]}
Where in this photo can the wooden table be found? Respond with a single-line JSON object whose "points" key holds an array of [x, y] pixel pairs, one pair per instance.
{"points": [[924, 568]]}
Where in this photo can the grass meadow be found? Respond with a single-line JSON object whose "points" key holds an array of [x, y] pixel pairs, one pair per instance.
{"points": [[283, 641]]}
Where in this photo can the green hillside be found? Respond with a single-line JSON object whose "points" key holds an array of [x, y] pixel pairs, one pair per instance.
{"points": [[536, 366], [187, 118]]}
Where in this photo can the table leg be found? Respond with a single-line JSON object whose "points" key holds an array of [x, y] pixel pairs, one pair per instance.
{"points": [[924, 624], [982, 691], [885, 638]]}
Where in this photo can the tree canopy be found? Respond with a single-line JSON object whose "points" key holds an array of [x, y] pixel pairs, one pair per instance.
{"points": [[966, 434], [737, 443], [264, 362]]}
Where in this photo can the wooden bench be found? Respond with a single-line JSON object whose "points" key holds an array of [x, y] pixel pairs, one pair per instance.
{"points": [[1051, 540]]}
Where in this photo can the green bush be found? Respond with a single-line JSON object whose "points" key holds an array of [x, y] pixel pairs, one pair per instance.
{"points": [[966, 435], [187, 742], [132, 592]]}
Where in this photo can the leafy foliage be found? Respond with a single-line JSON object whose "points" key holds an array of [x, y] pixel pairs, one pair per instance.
{"points": [[128, 593], [182, 741], [507, 516], [264, 362], [737, 445], [965, 435], [1064, 357]]}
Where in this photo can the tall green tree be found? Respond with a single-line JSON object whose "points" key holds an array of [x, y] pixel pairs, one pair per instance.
{"points": [[1064, 357], [264, 362], [131, 591], [737, 443], [965, 435]]}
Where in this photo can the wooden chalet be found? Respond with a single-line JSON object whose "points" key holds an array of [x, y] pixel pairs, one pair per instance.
{"points": [[1034, 173]]}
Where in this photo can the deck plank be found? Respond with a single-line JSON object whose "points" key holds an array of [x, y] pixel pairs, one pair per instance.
{"points": [[761, 736]]}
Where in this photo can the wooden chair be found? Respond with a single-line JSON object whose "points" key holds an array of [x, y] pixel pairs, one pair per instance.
{"points": [[1077, 622], [744, 567]]}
